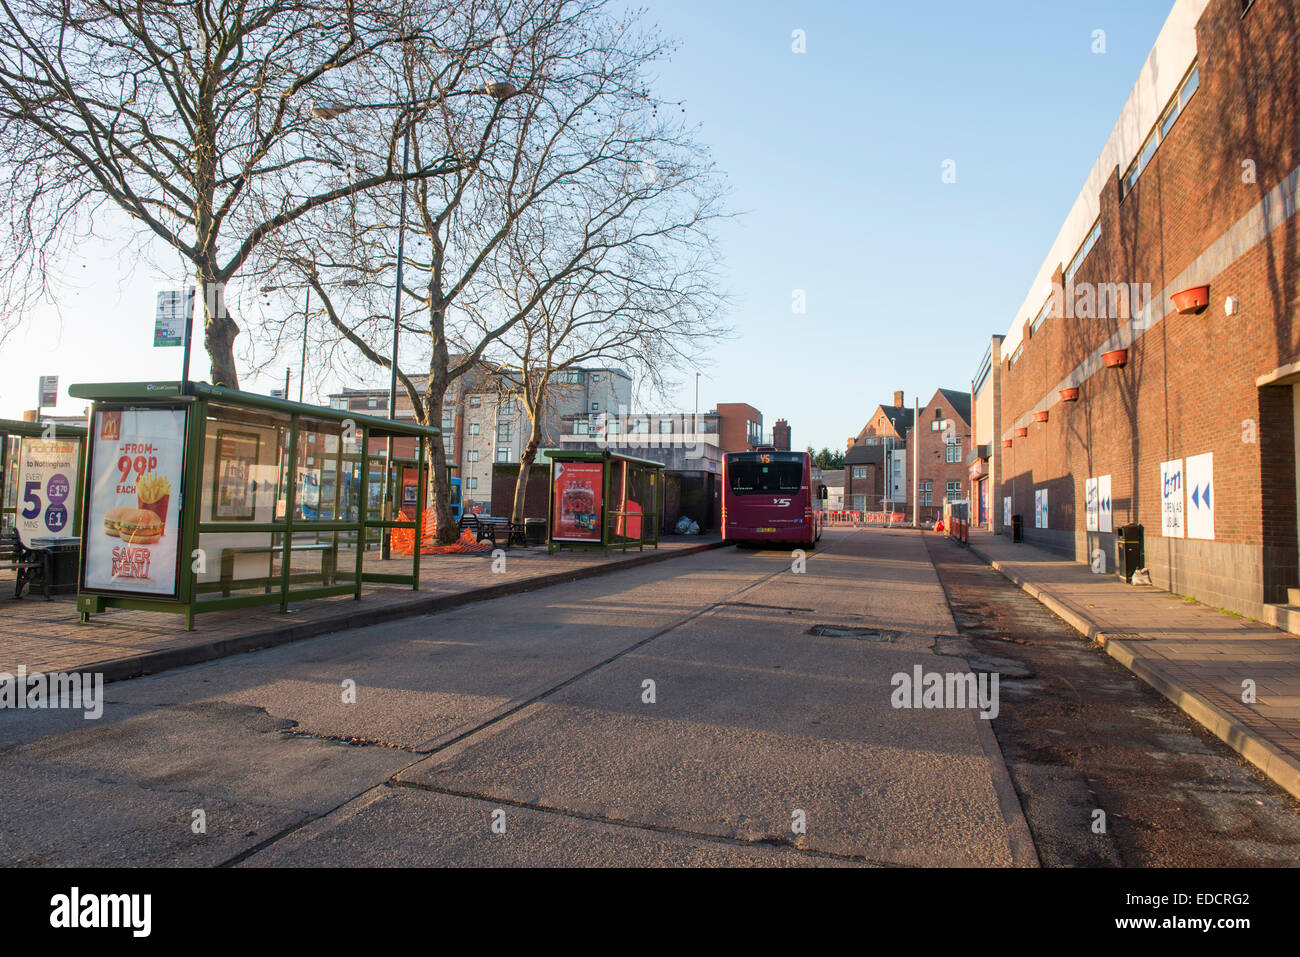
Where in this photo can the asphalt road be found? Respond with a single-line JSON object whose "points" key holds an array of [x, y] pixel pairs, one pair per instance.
{"points": [[719, 709], [523, 731]]}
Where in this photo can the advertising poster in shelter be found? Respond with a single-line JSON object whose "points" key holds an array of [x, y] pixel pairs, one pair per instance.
{"points": [[578, 493], [47, 487], [132, 527]]}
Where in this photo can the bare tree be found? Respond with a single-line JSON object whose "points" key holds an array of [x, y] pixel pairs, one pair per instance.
{"points": [[550, 167], [193, 118], [648, 299]]}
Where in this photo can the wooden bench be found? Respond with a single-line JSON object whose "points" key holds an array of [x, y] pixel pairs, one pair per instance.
{"points": [[26, 563], [487, 527], [328, 563]]}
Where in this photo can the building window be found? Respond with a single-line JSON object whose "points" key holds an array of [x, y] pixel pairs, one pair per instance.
{"points": [[473, 428], [1015, 356], [1067, 274], [471, 455], [595, 407], [595, 377], [1041, 317], [1176, 105], [473, 481], [665, 426], [859, 471], [954, 451], [927, 492], [570, 377], [372, 402], [506, 406], [954, 491], [475, 401], [505, 432], [503, 455], [580, 427]]}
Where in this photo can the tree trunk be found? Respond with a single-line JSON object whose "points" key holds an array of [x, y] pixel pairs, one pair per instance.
{"points": [[444, 523], [219, 332], [525, 465]]}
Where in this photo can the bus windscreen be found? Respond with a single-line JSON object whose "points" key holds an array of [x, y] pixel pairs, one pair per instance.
{"points": [[753, 477]]}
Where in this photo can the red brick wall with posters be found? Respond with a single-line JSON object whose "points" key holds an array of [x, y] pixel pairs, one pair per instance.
{"points": [[1190, 383]]}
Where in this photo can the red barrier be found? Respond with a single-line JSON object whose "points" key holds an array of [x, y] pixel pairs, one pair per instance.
{"points": [[885, 518]]}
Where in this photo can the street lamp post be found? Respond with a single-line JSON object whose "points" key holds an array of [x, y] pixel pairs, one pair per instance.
{"points": [[499, 91], [385, 548], [302, 368]]}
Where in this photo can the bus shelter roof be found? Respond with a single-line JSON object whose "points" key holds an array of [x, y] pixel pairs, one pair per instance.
{"points": [[578, 455], [37, 429], [144, 391]]}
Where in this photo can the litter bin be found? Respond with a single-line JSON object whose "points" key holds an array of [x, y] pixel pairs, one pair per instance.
{"points": [[535, 531], [1017, 529], [1128, 550], [64, 552]]}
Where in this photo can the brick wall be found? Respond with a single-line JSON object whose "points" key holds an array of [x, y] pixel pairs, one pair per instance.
{"points": [[1190, 383]]}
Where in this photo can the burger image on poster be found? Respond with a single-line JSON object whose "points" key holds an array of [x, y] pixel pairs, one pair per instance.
{"points": [[135, 526]]}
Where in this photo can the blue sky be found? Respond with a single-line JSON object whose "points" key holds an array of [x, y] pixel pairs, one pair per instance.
{"points": [[835, 157]]}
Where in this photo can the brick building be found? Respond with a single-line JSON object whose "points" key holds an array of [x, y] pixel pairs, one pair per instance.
{"points": [[864, 482], [1191, 431], [942, 437], [484, 421], [740, 426], [887, 422]]}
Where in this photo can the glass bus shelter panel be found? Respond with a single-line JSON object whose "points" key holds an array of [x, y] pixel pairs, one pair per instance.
{"points": [[242, 466], [318, 464], [252, 563], [625, 517]]}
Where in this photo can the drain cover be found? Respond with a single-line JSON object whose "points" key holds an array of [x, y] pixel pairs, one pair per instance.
{"points": [[850, 631]]}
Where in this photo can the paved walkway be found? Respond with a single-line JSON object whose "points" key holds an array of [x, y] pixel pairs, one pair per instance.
{"points": [[48, 636], [1195, 656]]}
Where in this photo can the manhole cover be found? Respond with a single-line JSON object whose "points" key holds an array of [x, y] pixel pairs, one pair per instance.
{"points": [[851, 631]]}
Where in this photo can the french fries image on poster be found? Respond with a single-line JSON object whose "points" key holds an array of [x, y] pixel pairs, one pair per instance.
{"points": [[137, 462]]}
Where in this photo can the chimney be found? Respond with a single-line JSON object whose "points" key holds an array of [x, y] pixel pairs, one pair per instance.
{"points": [[898, 399], [781, 435]]}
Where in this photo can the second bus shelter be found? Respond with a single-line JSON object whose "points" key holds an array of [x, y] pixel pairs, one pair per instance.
{"points": [[603, 500]]}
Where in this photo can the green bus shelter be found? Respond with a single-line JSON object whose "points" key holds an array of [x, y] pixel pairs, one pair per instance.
{"points": [[40, 478], [200, 498], [603, 500]]}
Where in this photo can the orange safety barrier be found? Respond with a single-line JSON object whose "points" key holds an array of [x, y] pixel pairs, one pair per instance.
{"points": [[403, 540]]}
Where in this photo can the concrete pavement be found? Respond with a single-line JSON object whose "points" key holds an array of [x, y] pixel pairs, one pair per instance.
{"points": [[1197, 657], [534, 706]]}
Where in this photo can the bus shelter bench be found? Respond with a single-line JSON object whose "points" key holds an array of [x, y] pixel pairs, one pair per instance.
{"points": [[328, 562], [487, 527], [26, 563]]}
